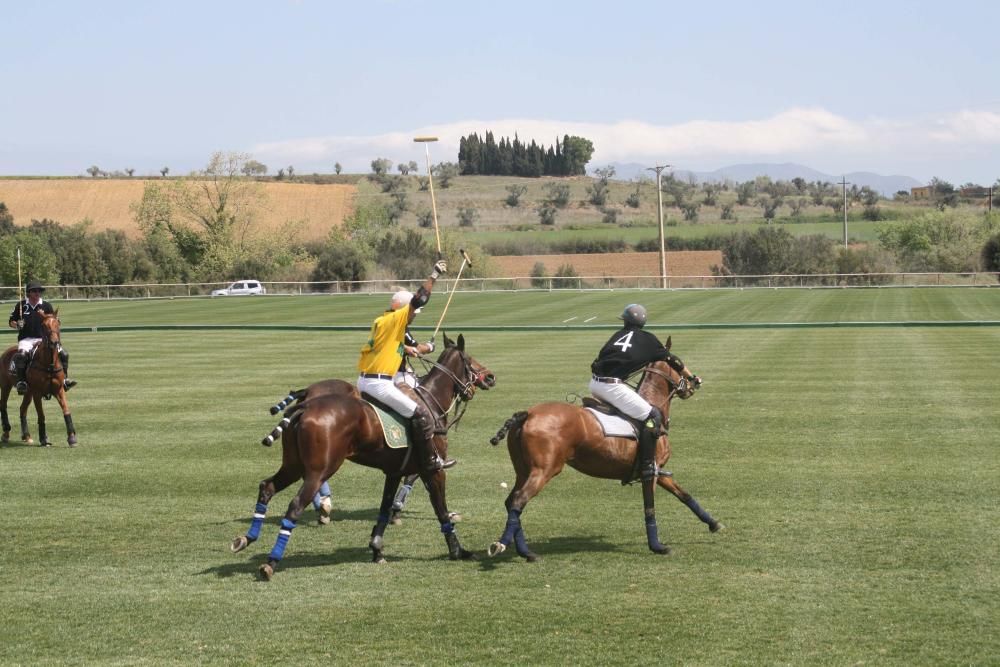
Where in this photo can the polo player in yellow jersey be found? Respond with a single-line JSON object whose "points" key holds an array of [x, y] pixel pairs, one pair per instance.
{"points": [[382, 356]]}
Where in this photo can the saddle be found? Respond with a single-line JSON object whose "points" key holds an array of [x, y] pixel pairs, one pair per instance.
{"points": [[619, 425], [395, 426]]}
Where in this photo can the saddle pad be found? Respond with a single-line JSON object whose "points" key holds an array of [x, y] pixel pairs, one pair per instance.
{"points": [[613, 425], [393, 426]]}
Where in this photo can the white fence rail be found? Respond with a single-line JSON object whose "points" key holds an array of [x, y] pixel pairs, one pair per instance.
{"points": [[827, 280]]}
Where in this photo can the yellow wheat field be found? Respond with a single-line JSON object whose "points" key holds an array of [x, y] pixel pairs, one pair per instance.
{"points": [[106, 202]]}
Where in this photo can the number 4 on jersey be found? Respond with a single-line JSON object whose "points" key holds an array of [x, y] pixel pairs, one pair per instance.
{"points": [[624, 342]]}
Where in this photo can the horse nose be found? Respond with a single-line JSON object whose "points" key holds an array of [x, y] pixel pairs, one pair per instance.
{"points": [[491, 379]]}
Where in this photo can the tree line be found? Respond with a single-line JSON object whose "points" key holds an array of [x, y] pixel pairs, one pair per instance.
{"points": [[513, 157]]}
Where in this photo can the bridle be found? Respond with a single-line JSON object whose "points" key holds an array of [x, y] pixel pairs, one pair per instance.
{"points": [[464, 389], [677, 387]]}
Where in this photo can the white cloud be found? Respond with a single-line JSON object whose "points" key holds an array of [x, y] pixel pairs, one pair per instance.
{"points": [[794, 134]]}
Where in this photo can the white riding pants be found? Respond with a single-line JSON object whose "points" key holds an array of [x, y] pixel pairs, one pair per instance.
{"points": [[622, 397], [25, 344], [407, 378], [388, 393]]}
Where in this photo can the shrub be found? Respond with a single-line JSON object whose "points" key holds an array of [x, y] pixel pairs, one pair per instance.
{"points": [[558, 194], [565, 276], [538, 276], [546, 214], [514, 194], [467, 216], [610, 215]]}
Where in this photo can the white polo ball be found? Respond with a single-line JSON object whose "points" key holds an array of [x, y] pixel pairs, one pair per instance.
{"points": [[503, 485]]}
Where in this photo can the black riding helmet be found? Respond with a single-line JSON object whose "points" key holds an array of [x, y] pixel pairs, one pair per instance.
{"points": [[33, 286], [634, 314]]}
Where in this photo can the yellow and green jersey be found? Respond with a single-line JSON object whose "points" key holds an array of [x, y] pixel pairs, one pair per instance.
{"points": [[383, 353]]}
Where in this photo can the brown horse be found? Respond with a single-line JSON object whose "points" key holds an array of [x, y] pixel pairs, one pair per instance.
{"points": [[549, 436], [45, 376], [327, 430]]}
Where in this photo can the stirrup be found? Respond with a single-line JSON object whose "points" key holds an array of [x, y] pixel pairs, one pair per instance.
{"points": [[437, 463], [22, 387], [68, 384]]}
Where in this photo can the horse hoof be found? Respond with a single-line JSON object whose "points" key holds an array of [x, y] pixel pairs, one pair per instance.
{"points": [[323, 520], [379, 559], [716, 527], [27, 439], [531, 557], [464, 554], [496, 549], [239, 544], [5, 437], [265, 571], [394, 520], [71, 440], [454, 517], [44, 443], [660, 549]]}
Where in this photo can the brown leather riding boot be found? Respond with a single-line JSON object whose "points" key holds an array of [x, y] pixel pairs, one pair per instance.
{"points": [[423, 442]]}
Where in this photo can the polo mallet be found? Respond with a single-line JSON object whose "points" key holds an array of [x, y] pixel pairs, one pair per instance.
{"points": [[430, 182], [465, 260], [20, 292]]}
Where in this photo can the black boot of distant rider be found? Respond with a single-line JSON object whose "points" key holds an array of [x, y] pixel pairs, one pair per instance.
{"points": [[64, 359], [423, 442], [647, 444], [21, 368]]}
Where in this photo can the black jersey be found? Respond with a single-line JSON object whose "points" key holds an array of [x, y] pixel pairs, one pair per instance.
{"points": [[32, 321], [627, 351]]}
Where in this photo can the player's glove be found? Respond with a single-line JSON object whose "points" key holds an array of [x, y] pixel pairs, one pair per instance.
{"points": [[440, 267], [696, 381]]}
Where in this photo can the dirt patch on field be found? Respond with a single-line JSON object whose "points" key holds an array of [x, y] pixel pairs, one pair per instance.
{"points": [[620, 264], [106, 202]]}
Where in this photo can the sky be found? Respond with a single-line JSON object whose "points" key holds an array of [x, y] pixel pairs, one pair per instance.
{"points": [[909, 88]]}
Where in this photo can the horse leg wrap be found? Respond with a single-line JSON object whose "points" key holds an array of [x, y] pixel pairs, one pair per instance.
{"points": [[284, 534], [698, 511], [259, 512], [401, 495], [512, 527], [521, 543], [652, 534], [447, 527], [69, 424]]}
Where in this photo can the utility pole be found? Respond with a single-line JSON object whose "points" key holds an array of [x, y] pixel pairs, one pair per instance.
{"points": [[659, 211], [844, 183]]}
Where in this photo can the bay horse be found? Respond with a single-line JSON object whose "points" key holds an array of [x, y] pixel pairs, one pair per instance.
{"points": [[326, 430], [45, 375], [548, 436]]}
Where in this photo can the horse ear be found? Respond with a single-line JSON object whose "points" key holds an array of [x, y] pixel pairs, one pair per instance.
{"points": [[461, 343], [447, 341], [668, 343]]}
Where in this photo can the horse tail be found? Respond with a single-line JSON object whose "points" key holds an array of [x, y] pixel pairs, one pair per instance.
{"points": [[293, 395], [514, 422], [289, 421]]}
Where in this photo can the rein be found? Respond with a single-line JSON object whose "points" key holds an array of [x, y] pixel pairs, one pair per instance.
{"points": [[464, 394]]}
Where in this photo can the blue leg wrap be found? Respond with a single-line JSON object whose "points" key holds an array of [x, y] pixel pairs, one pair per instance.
{"points": [[259, 512], [521, 542], [383, 518], [447, 527], [652, 534], [512, 527], [699, 512], [283, 535]]}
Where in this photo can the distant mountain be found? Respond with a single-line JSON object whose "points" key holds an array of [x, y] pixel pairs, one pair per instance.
{"points": [[885, 185]]}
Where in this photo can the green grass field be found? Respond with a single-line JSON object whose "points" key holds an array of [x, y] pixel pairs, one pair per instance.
{"points": [[855, 468]]}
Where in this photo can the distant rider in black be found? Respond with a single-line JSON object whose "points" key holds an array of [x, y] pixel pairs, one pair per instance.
{"points": [[25, 318], [628, 350]]}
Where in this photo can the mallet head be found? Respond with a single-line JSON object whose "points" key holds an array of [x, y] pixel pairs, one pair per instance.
{"points": [[423, 140]]}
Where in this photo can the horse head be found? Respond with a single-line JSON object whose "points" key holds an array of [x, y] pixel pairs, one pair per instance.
{"points": [[467, 372], [660, 382], [50, 329]]}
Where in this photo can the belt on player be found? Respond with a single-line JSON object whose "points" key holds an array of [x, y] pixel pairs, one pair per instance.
{"points": [[376, 376], [598, 378]]}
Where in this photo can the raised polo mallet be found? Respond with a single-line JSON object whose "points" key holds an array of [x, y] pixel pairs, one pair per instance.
{"points": [[465, 260], [430, 182]]}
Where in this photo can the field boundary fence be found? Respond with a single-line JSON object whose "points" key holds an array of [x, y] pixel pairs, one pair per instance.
{"points": [[530, 283]]}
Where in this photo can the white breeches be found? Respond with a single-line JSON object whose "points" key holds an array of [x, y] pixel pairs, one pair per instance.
{"points": [[622, 397], [406, 378], [388, 393], [25, 344]]}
